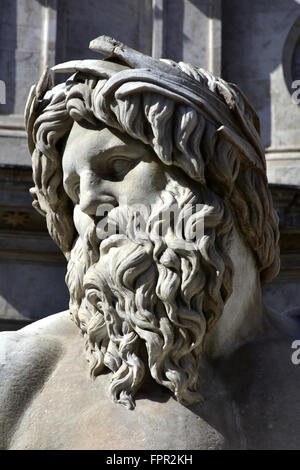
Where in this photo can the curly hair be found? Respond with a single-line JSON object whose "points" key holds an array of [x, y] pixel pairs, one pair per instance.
{"points": [[179, 134]]}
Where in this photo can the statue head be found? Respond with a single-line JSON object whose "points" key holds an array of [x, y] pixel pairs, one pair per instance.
{"points": [[130, 142]]}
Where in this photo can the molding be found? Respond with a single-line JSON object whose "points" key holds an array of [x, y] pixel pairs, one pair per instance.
{"points": [[12, 121], [283, 149], [22, 247], [287, 204], [13, 133], [11, 172], [283, 153], [44, 258], [12, 125], [22, 235]]}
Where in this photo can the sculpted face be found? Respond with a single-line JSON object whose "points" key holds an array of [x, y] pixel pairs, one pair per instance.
{"points": [[104, 166], [136, 294]]}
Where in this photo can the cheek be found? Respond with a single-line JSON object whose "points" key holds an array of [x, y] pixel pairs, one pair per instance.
{"points": [[144, 182], [81, 221]]}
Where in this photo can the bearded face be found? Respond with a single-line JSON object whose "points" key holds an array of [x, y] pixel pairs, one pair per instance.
{"points": [[146, 279]]}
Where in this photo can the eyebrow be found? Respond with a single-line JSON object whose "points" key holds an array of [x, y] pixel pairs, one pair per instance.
{"points": [[112, 150], [115, 148]]}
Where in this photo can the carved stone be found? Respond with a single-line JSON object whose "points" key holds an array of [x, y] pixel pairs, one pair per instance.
{"points": [[152, 179]]}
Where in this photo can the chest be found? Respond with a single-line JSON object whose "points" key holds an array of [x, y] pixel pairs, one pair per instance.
{"points": [[72, 411]]}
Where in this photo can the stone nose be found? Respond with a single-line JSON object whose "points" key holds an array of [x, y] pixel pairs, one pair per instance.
{"points": [[94, 192], [90, 192]]}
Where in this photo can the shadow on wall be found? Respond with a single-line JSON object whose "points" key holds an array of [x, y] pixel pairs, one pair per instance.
{"points": [[253, 40], [173, 35], [209, 8], [79, 22], [174, 38], [8, 44]]}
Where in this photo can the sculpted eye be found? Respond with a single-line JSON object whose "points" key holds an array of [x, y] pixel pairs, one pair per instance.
{"points": [[120, 166]]}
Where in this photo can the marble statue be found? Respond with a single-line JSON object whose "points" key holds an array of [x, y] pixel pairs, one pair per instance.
{"points": [[169, 315]]}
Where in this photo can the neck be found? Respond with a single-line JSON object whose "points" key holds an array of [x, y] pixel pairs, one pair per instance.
{"points": [[243, 316]]}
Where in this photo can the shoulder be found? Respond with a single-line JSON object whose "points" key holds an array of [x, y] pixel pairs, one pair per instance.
{"points": [[30, 344], [27, 358], [55, 327]]}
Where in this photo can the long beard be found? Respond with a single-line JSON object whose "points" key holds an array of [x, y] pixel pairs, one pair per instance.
{"points": [[130, 294]]}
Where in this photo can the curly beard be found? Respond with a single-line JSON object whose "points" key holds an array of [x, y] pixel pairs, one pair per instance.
{"points": [[156, 293]]}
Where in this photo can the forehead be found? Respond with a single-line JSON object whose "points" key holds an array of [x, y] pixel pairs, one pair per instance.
{"points": [[84, 143]]}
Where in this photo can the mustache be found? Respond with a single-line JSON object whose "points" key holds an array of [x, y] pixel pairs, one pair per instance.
{"points": [[180, 227]]}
